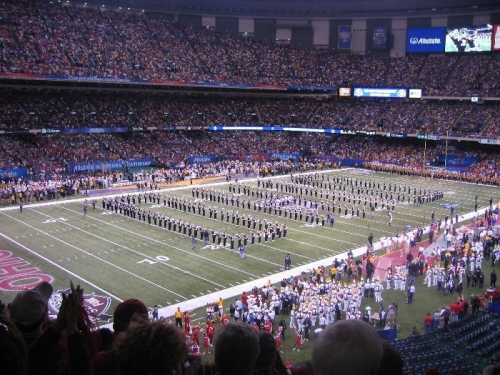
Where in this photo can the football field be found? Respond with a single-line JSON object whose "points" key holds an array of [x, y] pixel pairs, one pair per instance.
{"points": [[116, 256]]}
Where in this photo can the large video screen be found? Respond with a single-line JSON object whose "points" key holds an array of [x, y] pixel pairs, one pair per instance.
{"points": [[428, 40], [495, 39], [371, 92], [474, 39]]}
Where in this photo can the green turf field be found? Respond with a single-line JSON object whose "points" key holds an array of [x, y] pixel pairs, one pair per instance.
{"points": [[118, 257]]}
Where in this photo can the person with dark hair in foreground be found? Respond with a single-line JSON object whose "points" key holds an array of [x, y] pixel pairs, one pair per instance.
{"points": [[236, 349], [347, 347], [151, 348]]}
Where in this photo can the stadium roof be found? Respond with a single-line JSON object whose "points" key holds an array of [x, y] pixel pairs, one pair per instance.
{"points": [[311, 8]]}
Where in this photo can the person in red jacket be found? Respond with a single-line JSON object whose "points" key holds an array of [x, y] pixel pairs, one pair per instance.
{"points": [[210, 332], [427, 323]]}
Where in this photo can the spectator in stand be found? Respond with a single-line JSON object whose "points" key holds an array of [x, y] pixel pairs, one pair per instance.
{"points": [[29, 311], [13, 349], [63, 346], [269, 361], [392, 363], [236, 349], [347, 347], [126, 312], [151, 348]]}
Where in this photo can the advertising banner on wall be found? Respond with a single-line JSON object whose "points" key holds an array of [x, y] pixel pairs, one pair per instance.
{"points": [[344, 37], [495, 38], [427, 40]]}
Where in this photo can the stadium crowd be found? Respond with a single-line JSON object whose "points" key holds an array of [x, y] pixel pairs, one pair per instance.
{"points": [[52, 111], [48, 156], [70, 40]]}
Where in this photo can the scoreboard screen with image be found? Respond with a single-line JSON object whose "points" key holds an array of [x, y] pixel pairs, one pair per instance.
{"points": [[474, 39]]}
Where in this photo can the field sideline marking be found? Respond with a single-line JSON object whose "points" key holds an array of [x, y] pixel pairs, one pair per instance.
{"points": [[94, 256], [60, 267]]}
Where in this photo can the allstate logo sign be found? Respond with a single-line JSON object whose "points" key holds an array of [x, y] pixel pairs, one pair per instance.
{"points": [[413, 40]]}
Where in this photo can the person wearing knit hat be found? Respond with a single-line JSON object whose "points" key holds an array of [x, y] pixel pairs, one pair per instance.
{"points": [[29, 310]]}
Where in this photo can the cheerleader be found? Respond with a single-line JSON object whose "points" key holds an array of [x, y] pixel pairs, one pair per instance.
{"points": [[206, 343], [187, 324], [298, 341], [279, 342], [196, 335]]}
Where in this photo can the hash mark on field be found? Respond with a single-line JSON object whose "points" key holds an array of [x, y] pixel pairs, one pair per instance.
{"points": [[231, 284], [202, 294], [244, 280], [209, 291], [192, 295], [177, 301]]}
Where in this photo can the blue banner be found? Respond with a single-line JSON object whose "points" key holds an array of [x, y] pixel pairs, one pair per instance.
{"points": [[202, 159], [110, 165], [8, 174], [380, 92], [457, 161], [345, 36], [284, 156], [428, 40], [388, 334], [119, 129], [379, 40], [396, 135]]}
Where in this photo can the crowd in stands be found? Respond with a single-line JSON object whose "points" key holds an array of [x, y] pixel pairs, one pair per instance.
{"points": [[56, 39], [47, 157], [54, 111]]}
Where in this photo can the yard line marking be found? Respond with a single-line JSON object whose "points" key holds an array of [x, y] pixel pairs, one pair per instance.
{"points": [[62, 268], [137, 253], [171, 246], [94, 256]]}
